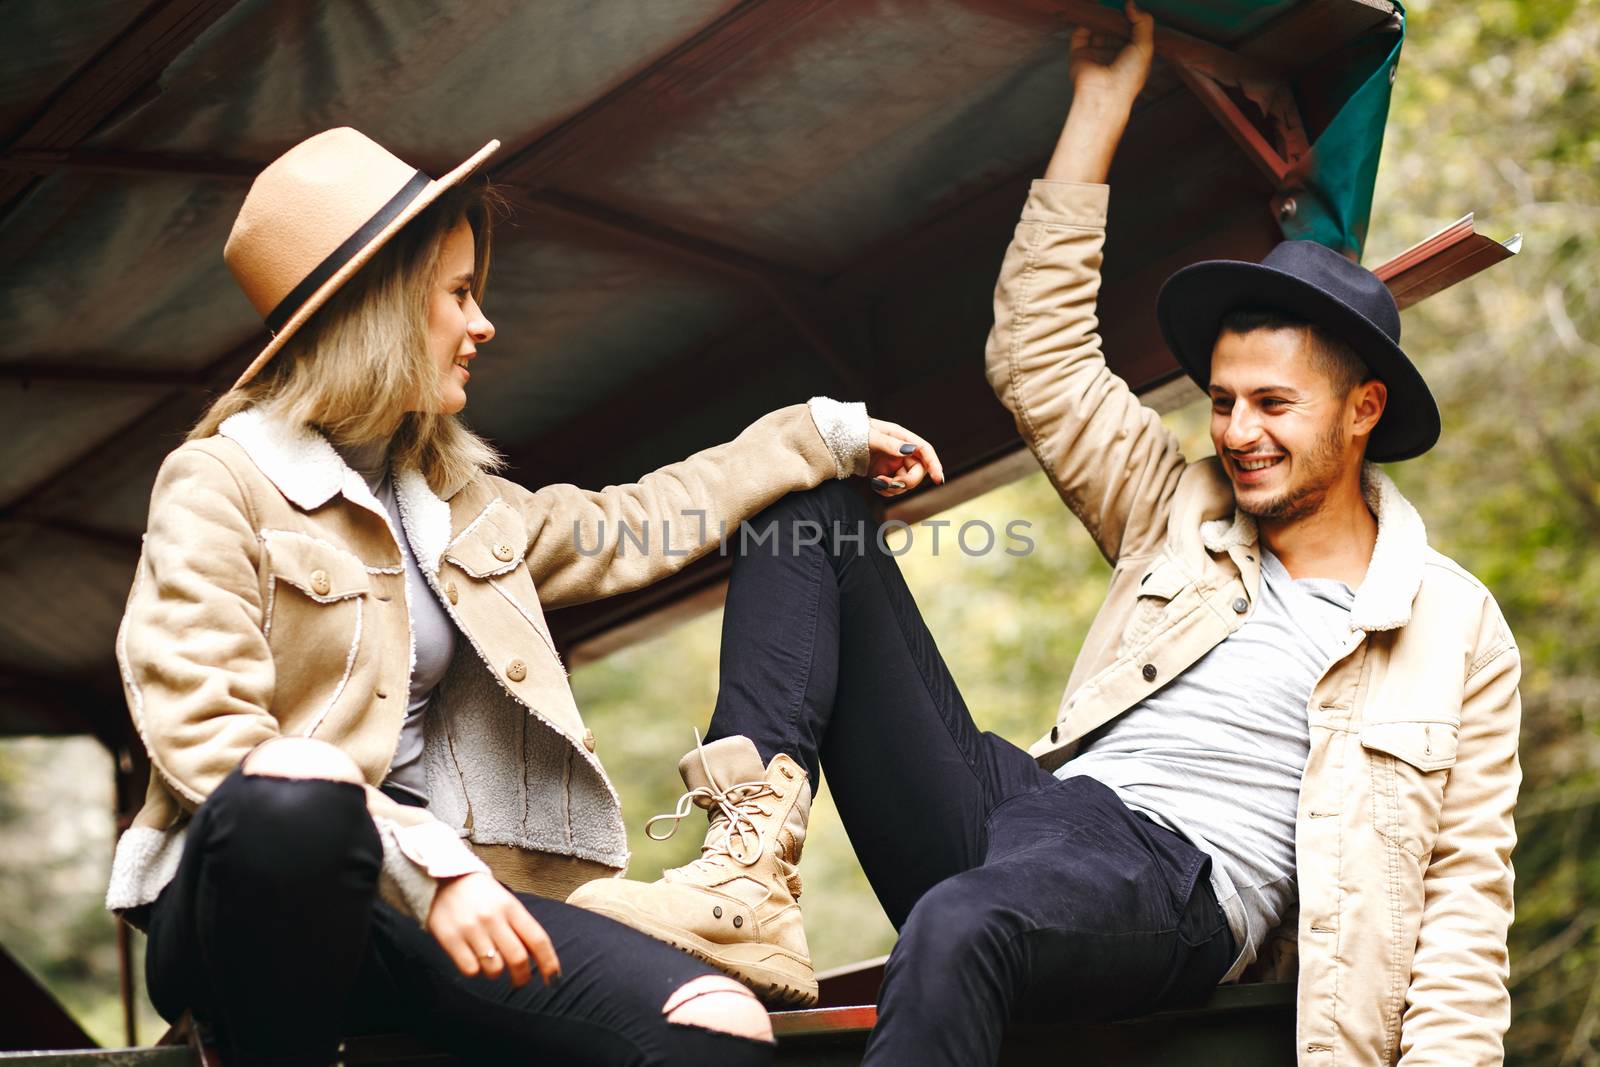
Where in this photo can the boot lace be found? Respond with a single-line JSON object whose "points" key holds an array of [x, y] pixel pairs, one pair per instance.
{"points": [[734, 804]]}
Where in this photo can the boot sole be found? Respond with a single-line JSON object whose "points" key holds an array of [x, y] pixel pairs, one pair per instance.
{"points": [[779, 977]]}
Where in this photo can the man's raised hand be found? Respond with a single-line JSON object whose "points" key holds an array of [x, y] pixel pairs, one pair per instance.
{"points": [[1113, 68], [1107, 74]]}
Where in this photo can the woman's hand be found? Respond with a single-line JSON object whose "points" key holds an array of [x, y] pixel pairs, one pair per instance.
{"points": [[486, 930], [900, 459]]}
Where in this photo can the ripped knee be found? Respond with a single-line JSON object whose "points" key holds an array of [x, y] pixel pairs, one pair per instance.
{"points": [[713, 1002], [302, 757]]}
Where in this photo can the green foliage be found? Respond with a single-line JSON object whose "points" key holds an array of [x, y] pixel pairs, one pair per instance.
{"points": [[1497, 110]]}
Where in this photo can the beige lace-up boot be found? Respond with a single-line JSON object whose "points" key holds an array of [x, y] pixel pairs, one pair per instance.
{"points": [[734, 907]]}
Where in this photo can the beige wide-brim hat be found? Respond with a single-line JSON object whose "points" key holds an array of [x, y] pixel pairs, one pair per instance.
{"points": [[314, 216]]}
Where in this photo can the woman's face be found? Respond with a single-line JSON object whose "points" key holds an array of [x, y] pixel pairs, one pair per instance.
{"points": [[456, 324]]}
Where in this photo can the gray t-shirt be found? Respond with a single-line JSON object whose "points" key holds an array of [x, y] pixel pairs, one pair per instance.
{"points": [[431, 628], [1217, 754]]}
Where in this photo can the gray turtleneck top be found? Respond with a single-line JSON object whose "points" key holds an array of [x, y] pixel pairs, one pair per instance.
{"points": [[431, 627]]}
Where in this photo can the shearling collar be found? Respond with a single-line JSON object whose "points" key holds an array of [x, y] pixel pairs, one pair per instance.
{"points": [[308, 471], [1395, 574]]}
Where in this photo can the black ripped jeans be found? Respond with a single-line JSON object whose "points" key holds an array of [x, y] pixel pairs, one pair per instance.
{"points": [[1016, 895], [272, 931]]}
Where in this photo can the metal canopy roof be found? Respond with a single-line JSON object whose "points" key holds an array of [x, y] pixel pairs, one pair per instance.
{"points": [[722, 207]]}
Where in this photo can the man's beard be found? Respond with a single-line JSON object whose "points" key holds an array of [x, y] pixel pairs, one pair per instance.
{"points": [[1320, 466]]}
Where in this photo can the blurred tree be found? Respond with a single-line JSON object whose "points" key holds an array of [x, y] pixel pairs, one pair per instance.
{"points": [[1496, 109]]}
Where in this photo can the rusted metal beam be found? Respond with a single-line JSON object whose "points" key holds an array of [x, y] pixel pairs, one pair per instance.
{"points": [[643, 232], [100, 373], [55, 705], [1314, 29], [671, 80], [1278, 159], [789, 291], [217, 374], [1454, 254], [128, 65], [95, 161], [34, 1018], [1173, 46]]}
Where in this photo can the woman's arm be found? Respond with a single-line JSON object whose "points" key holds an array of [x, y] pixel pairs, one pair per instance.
{"points": [[589, 544], [195, 664]]}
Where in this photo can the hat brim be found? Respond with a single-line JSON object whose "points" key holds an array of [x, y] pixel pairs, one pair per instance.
{"points": [[1191, 306], [430, 192]]}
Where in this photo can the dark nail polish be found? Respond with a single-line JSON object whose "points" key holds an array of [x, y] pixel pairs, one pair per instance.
{"points": [[555, 980], [906, 450]]}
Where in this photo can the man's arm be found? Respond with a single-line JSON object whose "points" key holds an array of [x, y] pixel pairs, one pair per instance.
{"points": [[1108, 456], [1457, 1004]]}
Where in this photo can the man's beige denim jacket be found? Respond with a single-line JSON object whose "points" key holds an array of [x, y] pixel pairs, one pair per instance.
{"points": [[270, 599], [1404, 832]]}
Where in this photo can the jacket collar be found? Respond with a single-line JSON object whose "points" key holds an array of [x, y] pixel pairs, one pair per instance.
{"points": [[309, 472], [1395, 574]]}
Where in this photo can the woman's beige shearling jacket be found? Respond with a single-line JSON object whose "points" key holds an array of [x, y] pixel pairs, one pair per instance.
{"points": [[270, 599]]}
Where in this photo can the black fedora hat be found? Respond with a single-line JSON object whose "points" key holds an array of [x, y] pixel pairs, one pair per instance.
{"points": [[1317, 284]]}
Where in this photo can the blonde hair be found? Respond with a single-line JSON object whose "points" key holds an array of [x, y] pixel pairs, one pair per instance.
{"points": [[359, 368]]}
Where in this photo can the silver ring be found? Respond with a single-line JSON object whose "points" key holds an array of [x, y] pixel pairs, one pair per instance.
{"points": [[491, 954]]}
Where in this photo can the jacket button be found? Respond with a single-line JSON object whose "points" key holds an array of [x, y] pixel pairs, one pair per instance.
{"points": [[502, 553], [1149, 672], [319, 583], [380, 694], [450, 593], [1055, 734], [516, 670], [588, 740], [1241, 605]]}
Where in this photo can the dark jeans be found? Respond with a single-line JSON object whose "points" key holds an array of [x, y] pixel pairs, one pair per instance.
{"points": [[1016, 895], [272, 932]]}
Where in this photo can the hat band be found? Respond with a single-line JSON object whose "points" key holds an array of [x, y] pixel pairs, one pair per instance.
{"points": [[345, 252]]}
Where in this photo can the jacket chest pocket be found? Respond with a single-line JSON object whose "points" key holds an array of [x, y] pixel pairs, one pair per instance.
{"points": [[490, 552], [1160, 589], [315, 602], [1409, 764]]}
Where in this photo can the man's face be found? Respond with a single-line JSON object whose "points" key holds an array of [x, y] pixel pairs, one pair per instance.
{"points": [[1283, 432]]}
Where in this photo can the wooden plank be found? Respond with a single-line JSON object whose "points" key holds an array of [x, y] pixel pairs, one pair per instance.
{"points": [[793, 1024]]}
